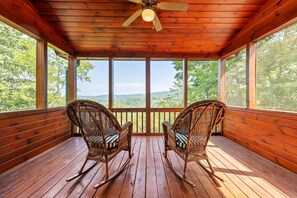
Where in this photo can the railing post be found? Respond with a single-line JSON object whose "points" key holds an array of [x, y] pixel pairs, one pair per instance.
{"points": [[41, 74], [148, 94]]}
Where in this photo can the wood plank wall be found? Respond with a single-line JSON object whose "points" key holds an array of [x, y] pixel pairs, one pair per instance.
{"points": [[268, 133], [25, 134]]}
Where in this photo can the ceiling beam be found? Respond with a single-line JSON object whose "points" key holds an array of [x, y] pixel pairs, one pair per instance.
{"points": [[273, 16], [94, 54], [22, 13]]}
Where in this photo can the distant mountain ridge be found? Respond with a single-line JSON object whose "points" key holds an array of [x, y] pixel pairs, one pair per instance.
{"points": [[122, 97]]}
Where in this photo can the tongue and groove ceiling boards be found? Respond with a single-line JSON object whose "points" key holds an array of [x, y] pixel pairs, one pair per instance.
{"points": [[94, 27]]}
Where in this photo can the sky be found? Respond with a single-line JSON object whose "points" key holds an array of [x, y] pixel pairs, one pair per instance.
{"points": [[129, 78]]}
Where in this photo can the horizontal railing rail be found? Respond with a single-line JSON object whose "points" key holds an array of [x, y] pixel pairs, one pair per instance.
{"points": [[138, 117]]}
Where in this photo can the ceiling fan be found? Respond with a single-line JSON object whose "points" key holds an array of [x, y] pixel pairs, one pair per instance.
{"points": [[149, 15]]}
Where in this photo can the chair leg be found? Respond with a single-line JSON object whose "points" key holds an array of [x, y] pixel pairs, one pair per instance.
{"points": [[81, 172], [185, 168], [210, 173], [183, 178], [210, 166], [114, 176], [106, 169]]}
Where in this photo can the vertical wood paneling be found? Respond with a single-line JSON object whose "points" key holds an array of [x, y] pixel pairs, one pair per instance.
{"points": [[29, 133], [268, 133]]}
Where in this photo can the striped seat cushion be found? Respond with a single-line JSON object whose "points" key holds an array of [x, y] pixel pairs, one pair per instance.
{"points": [[181, 140], [111, 141]]}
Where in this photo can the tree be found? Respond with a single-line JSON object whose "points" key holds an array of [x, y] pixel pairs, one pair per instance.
{"points": [[18, 71], [277, 70], [202, 83], [236, 80]]}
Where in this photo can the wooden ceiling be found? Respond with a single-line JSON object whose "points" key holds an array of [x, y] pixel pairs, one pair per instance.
{"points": [[94, 27]]}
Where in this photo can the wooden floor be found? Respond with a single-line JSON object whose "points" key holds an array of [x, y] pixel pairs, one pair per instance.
{"points": [[246, 174]]}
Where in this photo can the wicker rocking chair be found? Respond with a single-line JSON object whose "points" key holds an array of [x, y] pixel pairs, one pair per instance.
{"points": [[189, 134], [104, 136]]}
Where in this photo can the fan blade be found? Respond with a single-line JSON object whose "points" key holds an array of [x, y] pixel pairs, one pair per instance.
{"points": [[157, 24], [135, 1], [173, 6], [132, 18]]}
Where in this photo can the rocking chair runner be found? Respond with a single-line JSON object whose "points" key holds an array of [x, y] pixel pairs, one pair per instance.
{"points": [[189, 134], [104, 136]]}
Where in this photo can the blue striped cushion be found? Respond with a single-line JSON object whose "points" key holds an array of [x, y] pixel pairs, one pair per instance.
{"points": [[112, 141], [181, 140]]}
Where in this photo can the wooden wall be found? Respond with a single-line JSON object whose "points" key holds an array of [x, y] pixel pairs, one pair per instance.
{"points": [[25, 134], [268, 133]]}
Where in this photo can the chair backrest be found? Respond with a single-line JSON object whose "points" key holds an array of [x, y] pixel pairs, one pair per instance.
{"points": [[92, 118], [199, 119]]}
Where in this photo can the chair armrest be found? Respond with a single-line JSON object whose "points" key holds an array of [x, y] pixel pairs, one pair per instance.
{"points": [[126, 132], [167, 128], [167, 124], [127, 125]]}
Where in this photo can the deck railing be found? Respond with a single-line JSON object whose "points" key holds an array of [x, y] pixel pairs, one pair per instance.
{"points": [[138, 117], [156, 116]]}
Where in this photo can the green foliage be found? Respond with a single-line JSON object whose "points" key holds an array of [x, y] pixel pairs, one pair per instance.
{"points": [[277, 70], [236, 80], [202, 83], [17, 70], [202, 80]]}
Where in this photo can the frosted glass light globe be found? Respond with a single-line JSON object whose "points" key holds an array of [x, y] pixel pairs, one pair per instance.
{"points": [[148, 15]]}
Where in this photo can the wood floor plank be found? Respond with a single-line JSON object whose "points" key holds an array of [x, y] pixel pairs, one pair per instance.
{"points": [[128, 184], [115, 189], [13, 177], [61, 176], [229, 183], [186, 189], [259, 181], [173, 182], [43, 180], [162, 184], [38, 171], [89, 191], [215, 152], [247, 174], [139, 189], [263, 168], [151, 178], [114, 166]]}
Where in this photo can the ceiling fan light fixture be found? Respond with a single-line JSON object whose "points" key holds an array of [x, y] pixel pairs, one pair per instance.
{"points": [[148, 15]]}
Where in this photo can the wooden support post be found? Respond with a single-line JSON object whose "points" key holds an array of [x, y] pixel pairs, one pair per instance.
{"points": [[185, 82], [41, 74], [148, 94], [251, 75], [72, 78], [222, 80], [72, 85], [110, 83]]}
